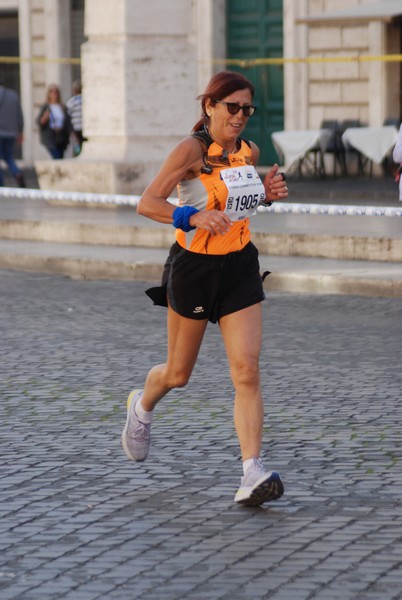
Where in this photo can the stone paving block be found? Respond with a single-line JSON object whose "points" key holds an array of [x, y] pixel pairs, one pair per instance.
{"points": [[79, 521]]}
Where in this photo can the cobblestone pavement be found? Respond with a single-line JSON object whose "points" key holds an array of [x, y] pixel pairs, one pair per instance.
{"points": [[80, 521]]}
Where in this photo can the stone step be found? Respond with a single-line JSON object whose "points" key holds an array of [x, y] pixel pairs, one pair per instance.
{"points": [[288, 274], [344, 247]]}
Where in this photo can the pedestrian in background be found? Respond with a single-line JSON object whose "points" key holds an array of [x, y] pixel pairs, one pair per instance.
{"points": [[11, 128], [212, 272], [397, 156], [54, 123], [74, 108]]}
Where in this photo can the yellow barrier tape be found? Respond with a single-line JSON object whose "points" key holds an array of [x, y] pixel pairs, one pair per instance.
{"points": [[255, 62], [239, 62], [39, 59]]}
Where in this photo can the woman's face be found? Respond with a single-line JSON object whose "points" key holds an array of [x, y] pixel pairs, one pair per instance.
{"points": [[53, 95], [223, 125]]}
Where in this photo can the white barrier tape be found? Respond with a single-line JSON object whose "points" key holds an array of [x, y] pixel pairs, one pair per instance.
{"points": [[85, 197], [277, 207], [332, 209]]}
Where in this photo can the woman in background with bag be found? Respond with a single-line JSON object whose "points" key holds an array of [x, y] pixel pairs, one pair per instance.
{"points": [[397, 156], [54, 123]]}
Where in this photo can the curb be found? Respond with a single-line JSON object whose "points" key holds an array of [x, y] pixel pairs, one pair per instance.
{"points": [[304, 283], [275, 244], [82, 268]]}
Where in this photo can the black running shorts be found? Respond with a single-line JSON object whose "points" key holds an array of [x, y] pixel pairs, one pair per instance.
{"points": [[203, 286]]}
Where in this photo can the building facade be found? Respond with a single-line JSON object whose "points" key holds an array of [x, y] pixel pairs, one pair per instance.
{"points": [[144, 62], [369, 91], [39, 32]]}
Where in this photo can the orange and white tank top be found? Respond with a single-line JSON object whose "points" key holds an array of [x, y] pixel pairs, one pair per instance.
{"points": [[233, 187]]}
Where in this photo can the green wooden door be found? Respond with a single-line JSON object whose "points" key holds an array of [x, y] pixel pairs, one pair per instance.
{"points": [[254, 30]]}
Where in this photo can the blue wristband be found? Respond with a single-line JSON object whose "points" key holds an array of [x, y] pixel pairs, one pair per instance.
{"points": [[181, 217]]}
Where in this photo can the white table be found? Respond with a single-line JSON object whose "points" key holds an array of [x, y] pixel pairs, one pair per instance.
{"points": [[294, 146], [375, 143]]}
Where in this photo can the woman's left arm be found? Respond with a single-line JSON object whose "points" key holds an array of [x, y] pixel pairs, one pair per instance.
{"points": [[274, 182], [275, 185]]}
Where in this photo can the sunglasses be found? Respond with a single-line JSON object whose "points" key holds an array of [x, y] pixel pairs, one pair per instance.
{"points": [[234, 107]]}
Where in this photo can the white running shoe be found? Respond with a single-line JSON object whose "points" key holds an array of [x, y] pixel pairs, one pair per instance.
{"points": [[136, 435], [259, 486]]}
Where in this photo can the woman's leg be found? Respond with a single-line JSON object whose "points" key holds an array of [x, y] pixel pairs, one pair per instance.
{"points": [[60, 151], [242, 335], [184, 341], [55, 152], [52, 151], [8, 156]]}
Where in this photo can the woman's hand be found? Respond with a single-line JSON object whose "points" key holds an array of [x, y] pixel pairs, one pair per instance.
{"points": [[45, 117], [275, 185], [214, 221]]}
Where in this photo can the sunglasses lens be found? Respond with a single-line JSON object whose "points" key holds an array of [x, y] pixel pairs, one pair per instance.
{"points": [[248, 110], [233, 108]]}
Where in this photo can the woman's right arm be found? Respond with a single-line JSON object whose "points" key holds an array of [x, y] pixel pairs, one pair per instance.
{"points": [[180, 164], [44, 116], [397, 153], [184, 162]]}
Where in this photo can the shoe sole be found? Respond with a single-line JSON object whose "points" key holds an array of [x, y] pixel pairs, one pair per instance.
{"points": [[264, 491], [123, 433]]}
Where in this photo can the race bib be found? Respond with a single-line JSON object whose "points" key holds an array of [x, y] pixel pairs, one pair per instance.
{"points": [[245, 191]]}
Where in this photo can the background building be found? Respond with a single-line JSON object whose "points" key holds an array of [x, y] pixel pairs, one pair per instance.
{"points": [[145, 61], [369, 91], [39, 32]]}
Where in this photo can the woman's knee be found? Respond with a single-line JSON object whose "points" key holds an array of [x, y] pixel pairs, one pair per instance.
{"points": [[246, 373], [177, 379]]}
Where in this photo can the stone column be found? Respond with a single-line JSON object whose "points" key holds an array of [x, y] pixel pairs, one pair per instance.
{"points": [[377, 75], [139, 74], [57, 44], [26, 79], [210, 26], [295, 75]]}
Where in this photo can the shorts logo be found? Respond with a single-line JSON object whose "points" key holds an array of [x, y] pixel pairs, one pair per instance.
{"points": [[198, 309]]}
